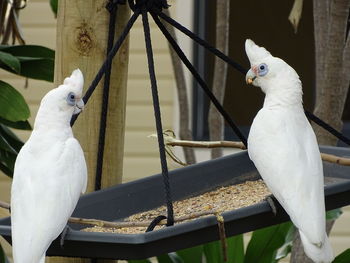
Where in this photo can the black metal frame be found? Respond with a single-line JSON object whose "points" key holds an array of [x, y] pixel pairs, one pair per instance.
{"points": [[120, 201]]}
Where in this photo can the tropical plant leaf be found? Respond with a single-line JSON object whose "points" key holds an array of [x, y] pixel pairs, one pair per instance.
{"points": [[7, 171], [191, 255], [6, 146], [235, 249], [30, 51], [21, 125], [10, 137], [265, 242], [287, 246], [38, 65], [54, 5], [42, 69], [213, 252], [344, 257], [7, 162], [2, 255], [12, 104], [10, 61], [140, 261], [169, 258], [334, 214]]}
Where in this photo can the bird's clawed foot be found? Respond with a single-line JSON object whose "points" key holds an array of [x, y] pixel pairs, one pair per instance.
{"points": [[271, 200], [63, 235]]}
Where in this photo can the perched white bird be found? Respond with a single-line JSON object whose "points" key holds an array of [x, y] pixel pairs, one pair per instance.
{"points": [[284, 149], [50, 174]]}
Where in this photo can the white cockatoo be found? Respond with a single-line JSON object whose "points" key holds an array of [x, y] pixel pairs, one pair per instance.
{"points": [[50, 174], [284, 149]]}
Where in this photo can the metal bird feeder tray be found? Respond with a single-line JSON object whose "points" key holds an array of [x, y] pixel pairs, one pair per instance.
{"points": [[121, 201]]}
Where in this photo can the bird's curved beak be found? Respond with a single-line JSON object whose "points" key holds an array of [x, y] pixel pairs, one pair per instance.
{"points": [[80, 105], [250, 77]]}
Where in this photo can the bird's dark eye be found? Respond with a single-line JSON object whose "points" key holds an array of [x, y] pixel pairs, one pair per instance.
{"points": [[262, 69], [71, 99]]}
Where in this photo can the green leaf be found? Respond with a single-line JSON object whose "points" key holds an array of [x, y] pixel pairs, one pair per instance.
{"points": [[265, 242], [334, 214], [14, 141], [42, 69], [54, 4], [169, 258], [213, 252], [140, 261], [7, 171], [287, 246], [37, 62], [191, 255], [6, 146], [344, 257], [235, 249], [21, 125], [7, 162], [31, 51], [12, 104], [2, 255], [10, 61]]}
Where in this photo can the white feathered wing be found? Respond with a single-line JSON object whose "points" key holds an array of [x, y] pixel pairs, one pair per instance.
{"points": [[284, 149], [50, 175]]}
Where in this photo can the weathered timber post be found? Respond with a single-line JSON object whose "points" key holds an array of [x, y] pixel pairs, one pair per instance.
{"points": [[82, 33]]}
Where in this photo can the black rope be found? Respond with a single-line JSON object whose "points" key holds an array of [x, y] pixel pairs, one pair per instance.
{"points": [[244, 71], [155, 8], [327, 127], [112, 7], [157, 114], [108, 60], [203, 43], [199, 79], [155, 222]]}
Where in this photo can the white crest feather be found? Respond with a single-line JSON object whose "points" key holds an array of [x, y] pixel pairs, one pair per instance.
{"points": [[76, 81], [254, 52]]}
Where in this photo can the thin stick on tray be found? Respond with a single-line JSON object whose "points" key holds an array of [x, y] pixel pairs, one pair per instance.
{"points": [[123, 224], [206, 144], [239, 145], [4, 205], [102, 223]]}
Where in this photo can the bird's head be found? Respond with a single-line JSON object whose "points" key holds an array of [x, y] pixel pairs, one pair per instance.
{"points": [[59, 104], [269, 72], [66, 98]]}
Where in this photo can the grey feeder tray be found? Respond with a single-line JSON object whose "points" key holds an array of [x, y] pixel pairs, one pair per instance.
{"points": [[116, 203]]}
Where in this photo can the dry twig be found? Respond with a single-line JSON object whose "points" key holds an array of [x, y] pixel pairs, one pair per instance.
{"points": [[4, 205], [102, 223], [239, 145]]}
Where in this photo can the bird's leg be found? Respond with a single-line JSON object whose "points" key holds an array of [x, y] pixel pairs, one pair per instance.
{"points": [[271, 200], [63, 235]]}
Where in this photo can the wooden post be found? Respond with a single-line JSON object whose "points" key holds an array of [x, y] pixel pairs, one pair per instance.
{"points": [[82, 31]]}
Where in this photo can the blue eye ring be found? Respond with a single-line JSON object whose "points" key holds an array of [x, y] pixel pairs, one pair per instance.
{"points": [[71, 99], [263, 69]]}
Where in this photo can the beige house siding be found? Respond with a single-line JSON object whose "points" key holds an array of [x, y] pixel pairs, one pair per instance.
{"points": [[141, 153]]}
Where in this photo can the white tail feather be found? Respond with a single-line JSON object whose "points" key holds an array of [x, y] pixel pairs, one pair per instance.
{"points": [[319, 254]]}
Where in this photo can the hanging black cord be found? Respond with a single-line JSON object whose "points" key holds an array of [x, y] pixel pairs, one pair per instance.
{"points": [[170, 212], [112, 7], [202, 42], [199, 79], [327, 127], [241, 69], [108, 60]]}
